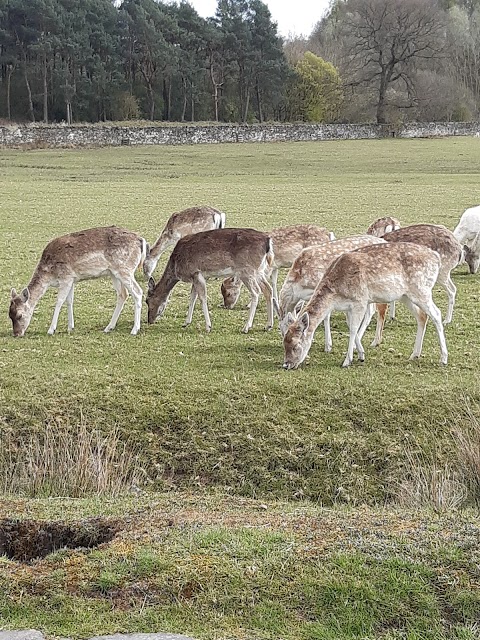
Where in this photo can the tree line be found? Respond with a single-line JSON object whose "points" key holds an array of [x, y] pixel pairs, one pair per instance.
{"points": [[366, 60]]}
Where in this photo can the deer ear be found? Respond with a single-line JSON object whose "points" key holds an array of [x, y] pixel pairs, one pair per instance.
{"points": [[304, 322], [25, 295], [151, 285], [388, 228], [13, 293], [289, 319], [298, 307]]}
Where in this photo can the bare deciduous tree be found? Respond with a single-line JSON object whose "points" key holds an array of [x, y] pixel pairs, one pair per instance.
{"points": [[384, 38]]}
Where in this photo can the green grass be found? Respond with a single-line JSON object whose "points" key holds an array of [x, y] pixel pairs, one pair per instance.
{"points": [[219, 409], [218, 567]]}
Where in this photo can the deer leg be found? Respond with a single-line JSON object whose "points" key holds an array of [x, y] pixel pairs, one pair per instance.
{"points": [[63, 292], [252, 286], [451, 292], [328, 333], [392, 310], [366, 320], [268, 295], [122, 295], [136, 292], [71, 323], [191, 306], [431, 309], [381, 313], [201, 289], [355, 316], [274, 279], [421, 317]]}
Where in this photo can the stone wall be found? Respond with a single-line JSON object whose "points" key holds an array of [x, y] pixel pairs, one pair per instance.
{"points": [[59, 136]]}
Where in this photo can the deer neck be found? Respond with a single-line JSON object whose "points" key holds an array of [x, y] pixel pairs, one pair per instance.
{"points": [[165, 285], [160, 246], [319, 306], [37, 286]]}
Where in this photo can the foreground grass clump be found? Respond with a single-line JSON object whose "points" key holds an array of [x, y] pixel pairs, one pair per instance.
{"points": [[218, 567], [219, 409]]}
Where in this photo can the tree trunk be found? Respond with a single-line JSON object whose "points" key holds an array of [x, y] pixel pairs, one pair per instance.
{"points": [[27, 84], [381, 105], [152, 100], [10, 69], [259, 103], [247, 104], [184, 107], [45, 89]]}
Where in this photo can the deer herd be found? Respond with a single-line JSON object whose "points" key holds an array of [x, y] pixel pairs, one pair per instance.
{"points": [[355, 274]]}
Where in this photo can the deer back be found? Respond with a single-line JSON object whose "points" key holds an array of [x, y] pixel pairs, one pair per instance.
{"points": [[193, 220], [89, 253], [288, 242], [382, 226], [310, 265], [433, 236], [383, 272], [220, 252]]}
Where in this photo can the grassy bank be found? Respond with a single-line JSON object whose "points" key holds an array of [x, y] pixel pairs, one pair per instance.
{"points": [[218, 409], [217, 567]]}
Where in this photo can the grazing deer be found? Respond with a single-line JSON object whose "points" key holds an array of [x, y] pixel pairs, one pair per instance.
{"points": [[181, 224], [382, 226], [81, 256], [467, 232], [441, 240], [380, 273], [379, 228], [288, 242], [244, 253], [307, 271]]}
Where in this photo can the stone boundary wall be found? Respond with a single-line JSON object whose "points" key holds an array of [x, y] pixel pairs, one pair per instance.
{"points": [[61, 136]]}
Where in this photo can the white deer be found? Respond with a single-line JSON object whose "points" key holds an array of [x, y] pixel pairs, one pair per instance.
{"points": [[244, 253], [288, 242], [467, 232], [307, 271], [380, 273], [180, 224], [79, 256]]}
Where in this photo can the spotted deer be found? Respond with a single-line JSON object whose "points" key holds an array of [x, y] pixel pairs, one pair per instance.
{"points": [[180, 224], [439, 239], [243, 253], [288, 242], [307, 271], [379, 273], [379, 228], [102, 251]]}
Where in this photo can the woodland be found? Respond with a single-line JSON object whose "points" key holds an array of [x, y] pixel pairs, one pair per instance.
{"points": [[365, 61]]}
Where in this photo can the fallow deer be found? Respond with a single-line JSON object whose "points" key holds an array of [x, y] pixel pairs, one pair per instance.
{"points": [[79, 256], [180, 224], [288, 242], [307, 271], [439, 239], [467, 232], [380, 273], [379, 228], [244, 253]]}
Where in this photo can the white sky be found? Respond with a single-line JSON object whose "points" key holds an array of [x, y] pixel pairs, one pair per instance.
{"points": [[292, 16]]}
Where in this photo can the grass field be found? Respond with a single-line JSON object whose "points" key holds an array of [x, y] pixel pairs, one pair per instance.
{"points": [[218, 409]]}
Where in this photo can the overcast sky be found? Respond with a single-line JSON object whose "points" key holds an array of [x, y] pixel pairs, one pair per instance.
{"points": [[293, 16]]}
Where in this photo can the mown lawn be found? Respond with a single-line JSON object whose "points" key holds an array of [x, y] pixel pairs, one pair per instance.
{"points": [[218, 410]]}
